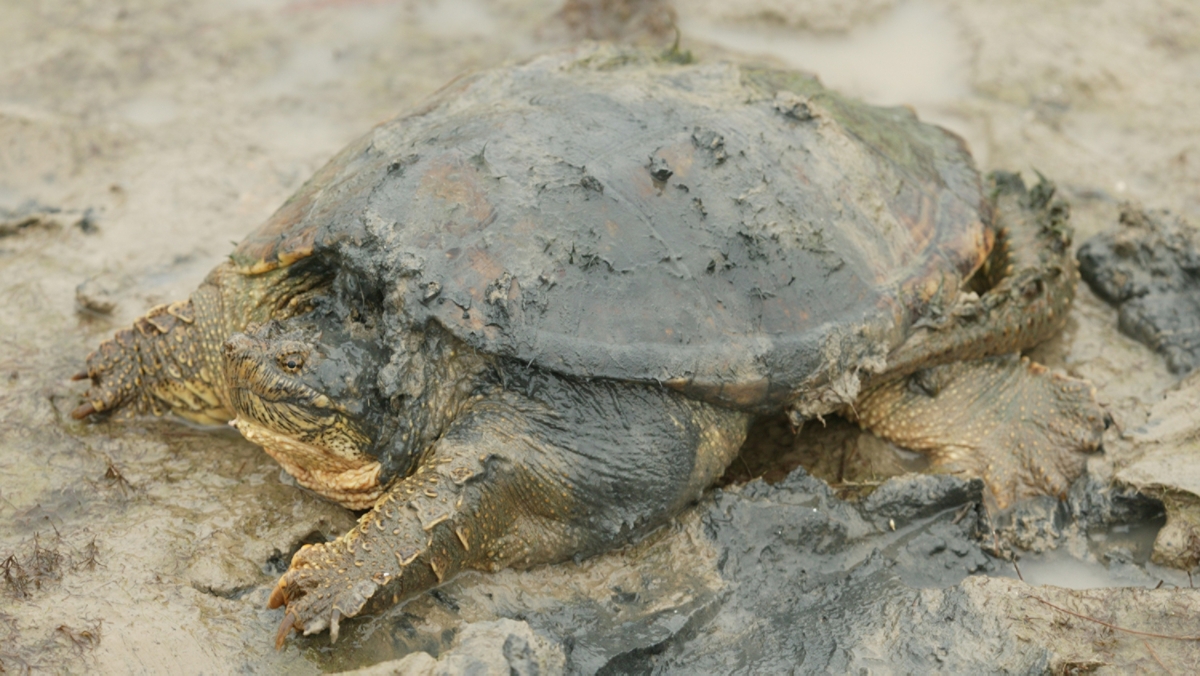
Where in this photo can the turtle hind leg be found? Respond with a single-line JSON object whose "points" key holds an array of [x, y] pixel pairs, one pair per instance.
{"points": [[1020, 296], [1024, 430]]}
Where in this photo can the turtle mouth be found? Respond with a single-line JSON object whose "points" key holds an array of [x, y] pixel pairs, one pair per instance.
{"points": [[290, 408], [249, 397], [314, 439], [346, 476]]}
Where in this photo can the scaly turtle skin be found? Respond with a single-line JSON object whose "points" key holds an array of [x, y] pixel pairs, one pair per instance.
{"points": [[534, 319]]}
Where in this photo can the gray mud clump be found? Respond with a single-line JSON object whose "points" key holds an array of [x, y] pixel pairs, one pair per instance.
{"points": [[806, 582], [809, 583], [1150, 270], [810, 575]]}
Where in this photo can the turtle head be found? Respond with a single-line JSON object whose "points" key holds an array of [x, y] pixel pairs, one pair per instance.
{"points": [[306, 393]]}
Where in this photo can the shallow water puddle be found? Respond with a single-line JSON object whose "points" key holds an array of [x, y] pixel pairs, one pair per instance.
{"points": [[1118, 556]]}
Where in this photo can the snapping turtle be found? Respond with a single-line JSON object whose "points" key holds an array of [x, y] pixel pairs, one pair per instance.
{"points": [[534, 318]]}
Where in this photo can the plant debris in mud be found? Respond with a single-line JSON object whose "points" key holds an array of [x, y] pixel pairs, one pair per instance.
{"points": [[90, 552], [25, 572], [41, 565], [14, 576], [10, 662], [114, 476], [83, 639], [78, 639]]}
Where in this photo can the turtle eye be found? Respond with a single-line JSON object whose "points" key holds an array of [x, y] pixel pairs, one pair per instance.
{"points": [[291, 362]]}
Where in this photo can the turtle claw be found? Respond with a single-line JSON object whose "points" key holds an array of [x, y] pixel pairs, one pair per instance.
{"points": [[317, 596], [83, 411], [333, 625], [285, 627], [278, 596]]}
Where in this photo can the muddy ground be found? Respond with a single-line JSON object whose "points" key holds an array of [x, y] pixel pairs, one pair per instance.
{"points": [[140, 138]]}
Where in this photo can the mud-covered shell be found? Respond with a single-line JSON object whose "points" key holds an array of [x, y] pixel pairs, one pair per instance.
{"points": [[740, 233]]}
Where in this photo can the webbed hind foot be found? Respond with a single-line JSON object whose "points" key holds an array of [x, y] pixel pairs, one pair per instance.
{"points": [[1024, 430]]}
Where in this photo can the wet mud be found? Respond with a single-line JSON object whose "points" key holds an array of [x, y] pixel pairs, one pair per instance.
{"points": [[795, 578], [139, 139], [1150, 270]]}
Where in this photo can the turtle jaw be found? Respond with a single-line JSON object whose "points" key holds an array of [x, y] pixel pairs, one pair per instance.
{"points": [[353, 483], [315, 440]]}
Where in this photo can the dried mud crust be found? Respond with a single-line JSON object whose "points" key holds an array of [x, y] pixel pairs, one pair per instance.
{"points": [[1149, 268], [1166, 470]]}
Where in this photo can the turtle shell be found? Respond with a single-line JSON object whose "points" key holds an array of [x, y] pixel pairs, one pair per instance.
{"points": [[738, 232]]}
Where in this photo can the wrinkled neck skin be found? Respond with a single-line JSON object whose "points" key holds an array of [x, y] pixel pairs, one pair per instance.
{"points": [[429, 381]]}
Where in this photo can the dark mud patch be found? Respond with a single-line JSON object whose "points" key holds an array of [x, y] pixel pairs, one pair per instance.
{"points": [[810, 575], [803, 581], [1149, 268], [1091, 507], [853, 461], [34, 216]]}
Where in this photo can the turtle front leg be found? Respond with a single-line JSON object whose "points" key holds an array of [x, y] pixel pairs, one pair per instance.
{"points": [[168, 361], [416, 536], [1024, 430], [513, 483]]}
